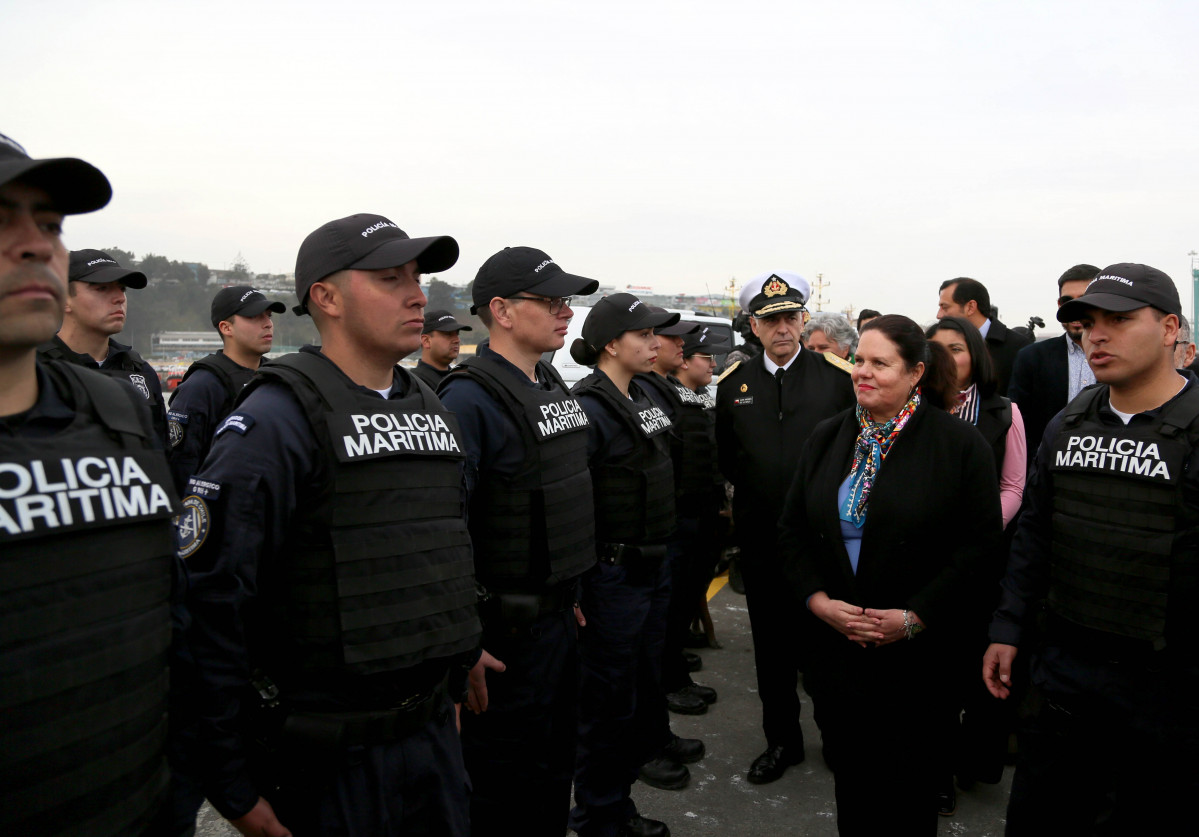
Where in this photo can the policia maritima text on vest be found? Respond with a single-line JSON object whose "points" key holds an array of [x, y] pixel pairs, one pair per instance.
{"points": [[86, 547], [332, 594], [1106, 563]]}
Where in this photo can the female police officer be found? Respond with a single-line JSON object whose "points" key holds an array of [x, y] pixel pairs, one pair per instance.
{"points": [[625, 596]]}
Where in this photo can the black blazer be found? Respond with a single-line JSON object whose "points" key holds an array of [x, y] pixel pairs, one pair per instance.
{"points": [[932, 525], [1040, 381], [1004, 344], [759, 439]]}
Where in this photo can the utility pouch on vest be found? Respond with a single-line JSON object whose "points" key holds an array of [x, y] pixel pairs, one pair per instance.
{"points": [[514, 612]]}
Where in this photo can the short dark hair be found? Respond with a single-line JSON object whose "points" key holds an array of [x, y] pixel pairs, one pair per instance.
{"points": [[939, 382], [866, 314], [982, 369], [966, 289], [1080, 272]]}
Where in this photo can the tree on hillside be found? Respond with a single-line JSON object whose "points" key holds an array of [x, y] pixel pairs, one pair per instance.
{"points": [[124, 257]]}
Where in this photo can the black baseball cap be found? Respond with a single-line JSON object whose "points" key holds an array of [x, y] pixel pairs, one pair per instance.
{"points": [[442, 321], [516, 269], [365, 242], [242, 300], [1124, 287], [611, 317], [97, 267], [73, 185], [676, 329], [703, 339]]}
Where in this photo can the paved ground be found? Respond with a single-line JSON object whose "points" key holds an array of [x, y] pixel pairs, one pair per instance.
{"points": [[719, 801]]}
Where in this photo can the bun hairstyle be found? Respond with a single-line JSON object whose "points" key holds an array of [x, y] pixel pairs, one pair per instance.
{"points": [[938, 384], [583, 353]]}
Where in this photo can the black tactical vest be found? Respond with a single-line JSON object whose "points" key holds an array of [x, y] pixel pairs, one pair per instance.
{"points": [[87, 551], [378, 576], [131, 368], [994, 422], [693, 442], [536, 528], [634, 494], [1120, 528], [233, 377]]}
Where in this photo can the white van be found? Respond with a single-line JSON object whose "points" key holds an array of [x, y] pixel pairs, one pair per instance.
{"points": [[573, 372]]}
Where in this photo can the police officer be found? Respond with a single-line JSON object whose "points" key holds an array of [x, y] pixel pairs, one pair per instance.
{"points": [[697, 499], [86, 545], [95, 310], [1106, 547], [439, 346], [626, 595], [765, 410], [242, 316], [533, 528], [332, 595]]}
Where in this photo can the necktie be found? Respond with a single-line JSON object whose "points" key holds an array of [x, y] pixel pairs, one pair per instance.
{"points": [[778, 378]]}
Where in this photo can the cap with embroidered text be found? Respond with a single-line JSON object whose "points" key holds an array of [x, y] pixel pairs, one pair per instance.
{"points": [[1124, 287], [98, 268], [365, 242], [515, 270], [442, 321], [244, 301]]}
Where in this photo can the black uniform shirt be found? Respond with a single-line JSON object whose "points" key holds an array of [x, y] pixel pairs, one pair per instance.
{"points": [[199, 405], [1026, 582]]}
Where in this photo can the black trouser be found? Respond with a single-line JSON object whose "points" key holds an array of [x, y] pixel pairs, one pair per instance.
{"points": [[414, 787], [775, 622], [1117, 758], [881, 716], [520, 753], [693, 553], [621, 709]]}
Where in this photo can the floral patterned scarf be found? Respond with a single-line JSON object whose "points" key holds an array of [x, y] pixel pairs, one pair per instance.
{"points": [[873, 443]]}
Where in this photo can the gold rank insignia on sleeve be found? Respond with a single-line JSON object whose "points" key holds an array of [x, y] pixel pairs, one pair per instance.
{"points": [[839, 362]]}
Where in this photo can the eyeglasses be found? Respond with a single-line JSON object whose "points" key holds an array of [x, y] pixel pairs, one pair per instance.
{"points": [[702, 356], [556, 303]]}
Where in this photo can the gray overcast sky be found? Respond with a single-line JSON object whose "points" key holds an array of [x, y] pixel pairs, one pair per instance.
{"points": [[886, 145]]}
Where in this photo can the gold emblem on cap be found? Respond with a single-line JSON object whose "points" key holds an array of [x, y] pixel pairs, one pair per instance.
{"points": [[745, 388], [775, 286]]}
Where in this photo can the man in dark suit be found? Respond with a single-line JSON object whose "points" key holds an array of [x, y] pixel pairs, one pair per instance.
{"points": [[766, 408], [1047, 375], [968, 298]]}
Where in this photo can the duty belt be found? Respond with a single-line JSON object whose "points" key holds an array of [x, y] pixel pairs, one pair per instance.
{"points": [[516, 611], [1102, 646], [618, 554], [339, 730]]}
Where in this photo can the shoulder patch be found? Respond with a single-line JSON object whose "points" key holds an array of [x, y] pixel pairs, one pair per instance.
{"points": [[176, 425], [239, 423], [192, 526], [839, 362], [726, 372]]}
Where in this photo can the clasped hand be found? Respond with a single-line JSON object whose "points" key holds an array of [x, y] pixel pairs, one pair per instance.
{"points": [[865, 626]]}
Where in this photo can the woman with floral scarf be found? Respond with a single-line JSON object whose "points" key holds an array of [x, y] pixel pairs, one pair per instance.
{"points": [[893, 512]]}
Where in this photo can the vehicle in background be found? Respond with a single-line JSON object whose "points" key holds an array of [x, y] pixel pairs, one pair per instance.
{"points": [[572, 371]]}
